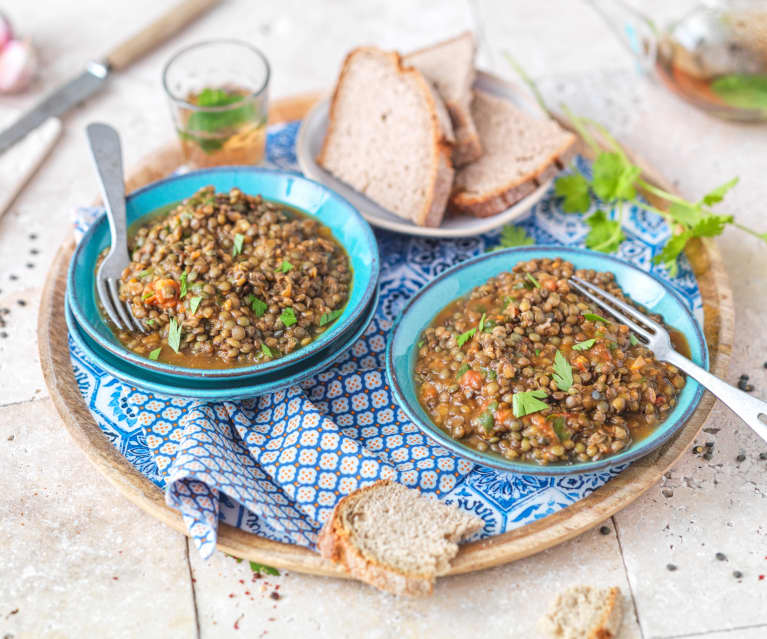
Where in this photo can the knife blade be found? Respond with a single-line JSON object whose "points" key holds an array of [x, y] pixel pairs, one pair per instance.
{"points": [[56, 103]]}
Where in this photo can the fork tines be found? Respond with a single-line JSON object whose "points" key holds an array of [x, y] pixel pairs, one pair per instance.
{"points": [[588, 289]]}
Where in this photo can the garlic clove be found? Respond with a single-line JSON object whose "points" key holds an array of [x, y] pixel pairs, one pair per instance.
{"points": [[6, 31], [18, 65]]}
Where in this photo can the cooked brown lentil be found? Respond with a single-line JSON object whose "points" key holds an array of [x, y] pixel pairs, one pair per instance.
{"points": [[246, 280], [483, 355]]}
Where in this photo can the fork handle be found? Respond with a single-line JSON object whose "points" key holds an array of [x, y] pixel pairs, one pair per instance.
{"points": [[107, 156], [745, 406]]}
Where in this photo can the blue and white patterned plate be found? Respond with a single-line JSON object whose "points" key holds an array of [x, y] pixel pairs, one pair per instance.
{"points": [[276, 465]]}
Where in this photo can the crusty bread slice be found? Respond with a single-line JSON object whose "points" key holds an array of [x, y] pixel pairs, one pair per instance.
{"points": [[394, 538], [450, 66], [520, 152], [583, 612], [389, 136]]}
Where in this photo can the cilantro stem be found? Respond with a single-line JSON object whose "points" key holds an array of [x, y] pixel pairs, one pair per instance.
{"points": [[761, 236], [581, 129], [669, 197], [616, 233], [528, 81]]}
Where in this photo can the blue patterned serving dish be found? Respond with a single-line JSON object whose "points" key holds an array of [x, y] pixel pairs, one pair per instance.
{"points": [[314, 199], [217, 390], [643, 287]]}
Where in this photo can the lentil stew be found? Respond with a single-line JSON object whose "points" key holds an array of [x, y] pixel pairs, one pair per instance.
{"points": [[526, 367], [226, 280]]}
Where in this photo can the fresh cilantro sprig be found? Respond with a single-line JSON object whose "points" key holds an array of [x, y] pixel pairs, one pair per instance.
{"points": [[512, 236], [616, 180], [584, 345], [174, 334]]}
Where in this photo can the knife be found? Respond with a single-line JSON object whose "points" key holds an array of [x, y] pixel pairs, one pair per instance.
{"points": [[96, 73]]}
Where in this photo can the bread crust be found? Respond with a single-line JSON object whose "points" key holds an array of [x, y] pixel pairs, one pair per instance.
{"points": [[433, 210], [334, 543], [610, 624], [505, 196]]}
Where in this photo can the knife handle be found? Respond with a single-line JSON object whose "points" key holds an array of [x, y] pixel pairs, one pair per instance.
{"points": [[165, 26]]}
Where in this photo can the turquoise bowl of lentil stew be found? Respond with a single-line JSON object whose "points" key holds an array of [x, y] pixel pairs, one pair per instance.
{"points": [[542, 385], [324, 220]]}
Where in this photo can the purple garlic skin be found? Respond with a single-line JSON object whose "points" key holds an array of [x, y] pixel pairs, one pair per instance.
{"points": [[18, 65], [6, 31]]}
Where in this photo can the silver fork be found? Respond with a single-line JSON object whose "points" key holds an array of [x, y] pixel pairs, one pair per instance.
{"points": [[107, 156], [750, 409]]}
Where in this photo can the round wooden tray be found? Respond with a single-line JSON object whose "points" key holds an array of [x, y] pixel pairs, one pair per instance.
{"points": [[522, 542]]}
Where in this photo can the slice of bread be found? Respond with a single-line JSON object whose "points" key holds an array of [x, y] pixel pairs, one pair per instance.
{"points": [[389, 136], [583, 612], [520, 153], [394, 538], [450, 66]]}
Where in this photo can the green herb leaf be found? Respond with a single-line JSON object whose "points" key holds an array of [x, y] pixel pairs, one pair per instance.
{"points": [[686, 213], [237, 247], [263, 569], [461, 371], [512, 236], [465, 337], [174, 334], [258, 306], [482, 323], [506, 301], [146, 272], [266, 350], [528, 402], [329, 317], [593, 317], [284, 267], [486, 420], [574, 189], [146, 295], [671, 251], [420, 344], [584, 345], [717, 195], [150, 322], [529, 277], [194, 303], [288, 317], [155, 353], [605, 235], [614, 177], [711, 225], [633, 340], [558, 424], [563, 372], [182, 294]]}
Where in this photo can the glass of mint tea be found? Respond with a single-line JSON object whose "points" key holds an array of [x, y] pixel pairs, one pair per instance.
{"points": [[218, 93]]}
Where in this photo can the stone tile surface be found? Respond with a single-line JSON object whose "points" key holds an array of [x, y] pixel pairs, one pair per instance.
{"points": [[501, 602], [78, 559]]}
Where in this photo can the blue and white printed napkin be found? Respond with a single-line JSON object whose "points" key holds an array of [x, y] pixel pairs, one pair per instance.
{"points": [[277, 465]]}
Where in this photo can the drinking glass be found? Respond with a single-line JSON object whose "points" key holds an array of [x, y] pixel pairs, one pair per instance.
{"points": [[218, 93]]}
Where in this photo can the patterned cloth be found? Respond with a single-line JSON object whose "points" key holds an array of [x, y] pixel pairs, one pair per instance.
{"points": [[277, 465]]}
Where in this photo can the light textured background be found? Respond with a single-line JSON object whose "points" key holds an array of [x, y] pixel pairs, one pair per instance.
{"points": [[79, 560]]}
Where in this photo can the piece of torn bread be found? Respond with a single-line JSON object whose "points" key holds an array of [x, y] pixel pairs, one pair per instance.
{"points": [[583, 612], [394, 538], [520, 152], [389, 136]]}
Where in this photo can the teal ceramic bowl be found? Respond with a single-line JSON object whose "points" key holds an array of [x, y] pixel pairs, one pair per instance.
{"points": [[656, 296], [317, 201], [218, 390]]}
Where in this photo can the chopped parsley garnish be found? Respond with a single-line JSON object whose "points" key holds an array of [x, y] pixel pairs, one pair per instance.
{"points": [[529, 277], [506, 301], [284, 267], [593, 317], [461, 371], [146, 272], [482, 323], [266, 350], [288, 317], [264, 569], [155, 353], [528, 402], [420, 344], [182, 294], [558, 424], [563, 372], [537, 352], [329, 317], [150, 322], [237, 248], [633, 340], [194, 303], [465, 337], [174, 334], [486, 420], [584, 345], [256, 305]]}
